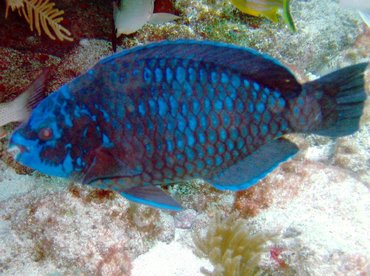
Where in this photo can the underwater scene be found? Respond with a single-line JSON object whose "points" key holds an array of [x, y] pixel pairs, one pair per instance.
{"points": [[184, 137]]}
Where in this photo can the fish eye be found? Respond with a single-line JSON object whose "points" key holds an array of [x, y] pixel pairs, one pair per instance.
{"points": [[45, 133]]}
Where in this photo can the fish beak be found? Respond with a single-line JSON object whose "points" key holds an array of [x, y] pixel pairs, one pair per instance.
{"points": [[14, 151]]}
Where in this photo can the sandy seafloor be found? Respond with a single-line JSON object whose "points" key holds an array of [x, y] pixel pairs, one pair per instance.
{"points": [[312, 212]]}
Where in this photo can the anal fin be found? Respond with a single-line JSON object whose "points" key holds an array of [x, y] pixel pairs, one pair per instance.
{"points": [[153, 196], [256, 166]]}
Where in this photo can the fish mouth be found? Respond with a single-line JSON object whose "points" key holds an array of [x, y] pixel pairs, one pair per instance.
{"points": [[16, 150]]}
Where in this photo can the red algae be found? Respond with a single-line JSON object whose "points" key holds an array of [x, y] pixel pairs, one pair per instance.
{"points": [[278, 188], [165, 6], [115, 262], [275, 254]]}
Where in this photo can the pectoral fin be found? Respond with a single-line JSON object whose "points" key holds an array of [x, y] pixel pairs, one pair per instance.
{"points": [[106, 166], [256, 166]]}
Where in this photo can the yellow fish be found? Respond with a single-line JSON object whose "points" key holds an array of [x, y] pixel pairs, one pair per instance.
{"points": [[266, 8]]}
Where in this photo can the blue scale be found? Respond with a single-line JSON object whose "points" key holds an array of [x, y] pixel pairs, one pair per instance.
{"points": [[180, 74]]}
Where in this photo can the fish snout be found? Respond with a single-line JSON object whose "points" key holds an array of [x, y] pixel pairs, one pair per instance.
{"points": [[15, 150]]}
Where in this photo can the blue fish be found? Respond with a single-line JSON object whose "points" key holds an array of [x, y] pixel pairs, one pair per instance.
{"points": [[173, 111]]}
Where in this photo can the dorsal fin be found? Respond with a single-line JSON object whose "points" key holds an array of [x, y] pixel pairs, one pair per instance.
{"points": [[251, 64]]}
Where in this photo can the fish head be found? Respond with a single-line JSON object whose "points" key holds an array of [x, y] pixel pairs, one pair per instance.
{"points": [[48, 141]]}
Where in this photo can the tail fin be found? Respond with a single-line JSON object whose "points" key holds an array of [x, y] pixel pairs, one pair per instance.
{"points": [[341, 96], [19, 109]]}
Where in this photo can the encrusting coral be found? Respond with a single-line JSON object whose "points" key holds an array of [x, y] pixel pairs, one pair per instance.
{"points": [[77, 231], [231, 246], [41, 14]]}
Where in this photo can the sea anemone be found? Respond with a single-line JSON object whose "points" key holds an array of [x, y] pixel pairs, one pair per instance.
{"points": [[232, 246]]}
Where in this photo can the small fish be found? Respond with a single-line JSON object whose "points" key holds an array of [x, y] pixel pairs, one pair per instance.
{"points": [[266, 8], [173, 111], [362, 6], [19, 109], [132, 15]]}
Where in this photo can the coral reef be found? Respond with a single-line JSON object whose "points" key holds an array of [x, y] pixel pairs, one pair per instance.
{"points": [[185, 219], [317, 25], [202, 197], [85, 19], [14, 64], [83, 56], [81, 231], [357, 146], [282, 182], [328, 215]]}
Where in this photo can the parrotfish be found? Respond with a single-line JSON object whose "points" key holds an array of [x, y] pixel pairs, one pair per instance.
{"points": [[266, 8], [174, 111], [132, 15]]}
